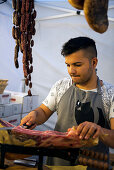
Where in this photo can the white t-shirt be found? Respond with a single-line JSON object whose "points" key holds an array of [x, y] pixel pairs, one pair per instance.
{"points": [[61, 86]]}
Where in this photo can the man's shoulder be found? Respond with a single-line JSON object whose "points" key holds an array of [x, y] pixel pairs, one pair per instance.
{"points": [[65, 81], [62, 85], [108, 86], [108, 89]]}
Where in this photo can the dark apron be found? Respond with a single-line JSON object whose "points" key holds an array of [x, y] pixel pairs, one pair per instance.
{"points": [[75, 107]]}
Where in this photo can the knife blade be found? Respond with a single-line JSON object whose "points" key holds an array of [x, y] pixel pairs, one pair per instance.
{"points": [[10, 128], [6, 128]]}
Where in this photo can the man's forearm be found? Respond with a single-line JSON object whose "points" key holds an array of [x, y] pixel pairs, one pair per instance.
{"points": [[107, 137], [42, 114]]}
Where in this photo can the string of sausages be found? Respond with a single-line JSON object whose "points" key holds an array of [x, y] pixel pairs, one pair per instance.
{"points": [[24, 28], [93, 159]]}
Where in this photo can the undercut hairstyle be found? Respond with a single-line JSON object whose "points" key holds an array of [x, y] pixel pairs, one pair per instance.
{"points": [[76, 44]]}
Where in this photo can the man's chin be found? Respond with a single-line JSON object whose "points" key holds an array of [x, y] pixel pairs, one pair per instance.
{"points": [[75, 80]]}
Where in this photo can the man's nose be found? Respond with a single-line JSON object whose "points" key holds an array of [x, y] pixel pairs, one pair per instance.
{"points": [[72, 69]]}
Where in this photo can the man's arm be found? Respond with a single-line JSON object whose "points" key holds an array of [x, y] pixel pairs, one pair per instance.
{"points": [[107, 136], [37, 116], [87, 129]]}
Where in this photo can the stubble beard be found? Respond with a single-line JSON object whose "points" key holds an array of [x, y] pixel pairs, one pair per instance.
{"points": [[84, 80]]}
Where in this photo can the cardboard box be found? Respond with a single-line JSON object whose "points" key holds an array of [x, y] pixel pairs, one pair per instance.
{"points": [[16, 108], [15, 119], [10, 109], [5, 98], [5, 110], [29, 103], [1, 111]]}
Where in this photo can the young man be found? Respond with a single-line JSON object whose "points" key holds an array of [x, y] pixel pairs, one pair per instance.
{"points": [[82, 100]]}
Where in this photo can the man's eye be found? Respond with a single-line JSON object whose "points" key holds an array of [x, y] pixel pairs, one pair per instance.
{"points": [[77, 65]]}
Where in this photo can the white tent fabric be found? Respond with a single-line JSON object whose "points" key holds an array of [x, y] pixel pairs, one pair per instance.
{"points": [[56, 23]]}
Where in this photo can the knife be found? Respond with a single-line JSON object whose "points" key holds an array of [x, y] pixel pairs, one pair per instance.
{"points": [[25, 126], [10, 128], [6, 128]]}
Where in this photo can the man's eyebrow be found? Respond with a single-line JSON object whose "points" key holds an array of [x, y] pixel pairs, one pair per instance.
{"points": [[74, 63]]}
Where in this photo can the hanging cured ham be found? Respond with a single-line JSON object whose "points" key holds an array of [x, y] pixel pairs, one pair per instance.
{"points": [[95, 13]]}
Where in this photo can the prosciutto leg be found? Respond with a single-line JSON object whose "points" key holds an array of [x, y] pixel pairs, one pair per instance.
{"points": [[34, 138]]}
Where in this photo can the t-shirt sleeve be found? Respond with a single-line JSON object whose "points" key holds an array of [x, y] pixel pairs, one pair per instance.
{"points": [[50, 100], [111, 114], [56, 92]]}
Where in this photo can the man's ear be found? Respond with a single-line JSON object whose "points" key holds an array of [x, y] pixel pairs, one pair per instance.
{"points": [[94, 62]]}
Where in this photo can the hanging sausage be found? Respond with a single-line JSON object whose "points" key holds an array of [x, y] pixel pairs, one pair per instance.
{"points": [[24, 28]]}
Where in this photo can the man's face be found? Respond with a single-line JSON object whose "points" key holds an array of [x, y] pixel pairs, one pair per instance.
{"points": [[79, 67]]}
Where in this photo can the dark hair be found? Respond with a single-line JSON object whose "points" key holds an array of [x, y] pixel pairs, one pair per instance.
{"points": [[75, 44]]}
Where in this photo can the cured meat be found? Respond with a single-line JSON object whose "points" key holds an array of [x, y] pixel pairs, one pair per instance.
{"points": [[93, 163], [79, 4], [6, 138], [24, 28], [96, 14], [47, 138], [5, 124], [34, 138]]}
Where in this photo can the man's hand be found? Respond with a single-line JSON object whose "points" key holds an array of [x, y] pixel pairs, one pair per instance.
{"points": [[37, 116], [30, 119], [88, 129]]}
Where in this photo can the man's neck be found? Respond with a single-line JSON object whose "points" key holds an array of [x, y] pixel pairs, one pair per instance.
{"points": [[92, 84]]}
